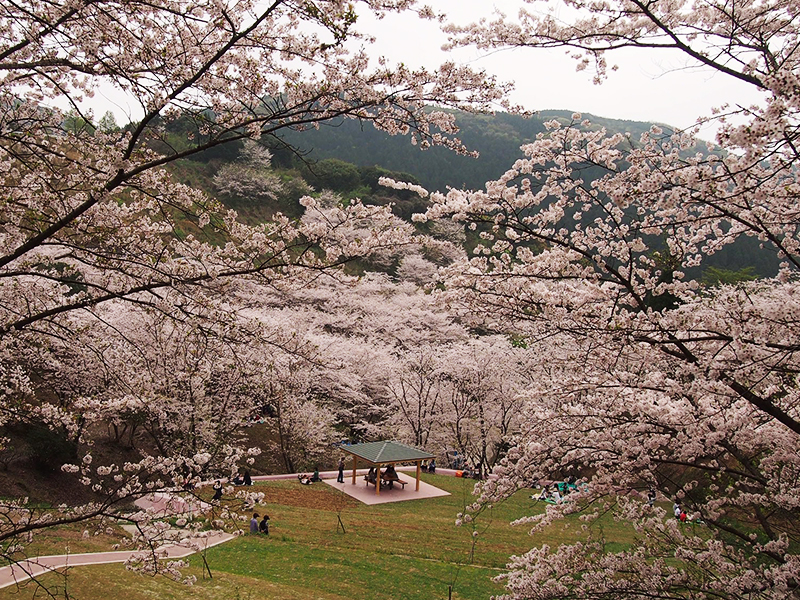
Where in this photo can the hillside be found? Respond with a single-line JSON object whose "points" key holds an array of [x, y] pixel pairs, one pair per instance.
{"points": [[325, 545], [348, 157], [496, 137]]}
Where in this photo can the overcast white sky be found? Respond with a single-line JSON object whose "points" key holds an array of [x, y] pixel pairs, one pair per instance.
{"points": [[649, 86]]}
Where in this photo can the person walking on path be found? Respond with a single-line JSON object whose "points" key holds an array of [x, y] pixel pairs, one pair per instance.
{"points": [[340, 477]]}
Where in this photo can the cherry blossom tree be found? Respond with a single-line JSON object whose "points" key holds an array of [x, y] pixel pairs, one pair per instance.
{"points": [[303, 429], [416, 389], [415, 268], [250, 176], [91, 216], [643, 377], [483, 399], [352, 384]]}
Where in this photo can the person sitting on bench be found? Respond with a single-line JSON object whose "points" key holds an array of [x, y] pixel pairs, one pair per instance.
{"points": [[390, 476], [371, 475]]}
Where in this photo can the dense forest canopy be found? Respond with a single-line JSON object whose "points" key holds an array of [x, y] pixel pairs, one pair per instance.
{"points": [[349, 158], [496, 137]]}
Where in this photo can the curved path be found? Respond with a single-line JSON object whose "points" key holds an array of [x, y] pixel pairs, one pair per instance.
{"points": [[33, 567]]}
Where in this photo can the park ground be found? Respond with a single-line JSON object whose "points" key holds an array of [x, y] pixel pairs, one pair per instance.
{"points": [[401, 550]]}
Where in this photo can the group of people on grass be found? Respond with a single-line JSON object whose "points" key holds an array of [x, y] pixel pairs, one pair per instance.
{"points": [[683, 516], [257, 526], [307, 479], [557, 492], [242, 478]]}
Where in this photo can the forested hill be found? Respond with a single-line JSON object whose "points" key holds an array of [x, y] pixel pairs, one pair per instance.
{"points": [[348, 157], [496, 137]]}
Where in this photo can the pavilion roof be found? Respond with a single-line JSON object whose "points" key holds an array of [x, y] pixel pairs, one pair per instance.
{"points": [[387, 452]]}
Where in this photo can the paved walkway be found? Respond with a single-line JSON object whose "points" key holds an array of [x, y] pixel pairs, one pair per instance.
{"points": [[347, 473], [21, 571]]}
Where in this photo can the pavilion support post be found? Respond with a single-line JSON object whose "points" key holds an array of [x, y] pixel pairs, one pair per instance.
{"points": [[418, 470], [378, 481], [355, 466]]}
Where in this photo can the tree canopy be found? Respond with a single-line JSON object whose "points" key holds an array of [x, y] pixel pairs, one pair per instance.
{"points": [[572, 343], [105, 298], [647, 379]]}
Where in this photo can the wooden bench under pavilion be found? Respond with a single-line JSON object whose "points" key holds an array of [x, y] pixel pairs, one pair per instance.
{"points": [[381, 454]]}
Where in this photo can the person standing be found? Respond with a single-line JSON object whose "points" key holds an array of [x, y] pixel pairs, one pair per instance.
{"points": [[217, 490], [340, 477]]}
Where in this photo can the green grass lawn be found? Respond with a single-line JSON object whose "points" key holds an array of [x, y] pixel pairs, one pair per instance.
{"points": [[71, 539], [405, 550]]}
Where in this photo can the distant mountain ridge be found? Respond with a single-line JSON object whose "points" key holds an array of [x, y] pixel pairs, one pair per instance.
{"points": [[496, 137], [348, 157]]}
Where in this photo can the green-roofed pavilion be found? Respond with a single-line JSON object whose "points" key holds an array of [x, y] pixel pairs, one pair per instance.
{"points": [[384, 453]]}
